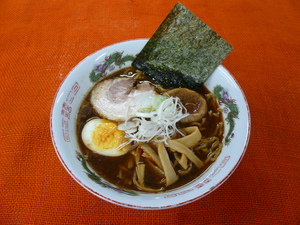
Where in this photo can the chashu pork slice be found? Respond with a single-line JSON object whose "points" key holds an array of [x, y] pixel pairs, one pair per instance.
{"points": [[119, 99]]}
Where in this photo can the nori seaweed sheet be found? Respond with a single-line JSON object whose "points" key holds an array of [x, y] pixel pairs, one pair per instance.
{"points": [[183, 51]]}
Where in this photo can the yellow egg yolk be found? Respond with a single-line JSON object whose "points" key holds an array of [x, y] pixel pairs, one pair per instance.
{"points": [[106, 135]]}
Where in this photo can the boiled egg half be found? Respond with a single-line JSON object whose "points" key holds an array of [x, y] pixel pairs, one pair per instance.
{"points": [[103, 136]]}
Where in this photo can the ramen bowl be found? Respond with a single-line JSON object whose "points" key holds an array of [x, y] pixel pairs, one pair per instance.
{"points": [[80, 81]]}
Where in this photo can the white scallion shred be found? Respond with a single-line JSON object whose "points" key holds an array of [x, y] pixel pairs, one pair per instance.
{"points": [[159, 124]]}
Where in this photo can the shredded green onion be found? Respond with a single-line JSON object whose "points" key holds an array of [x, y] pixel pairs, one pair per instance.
{"points": [[158, 124]]}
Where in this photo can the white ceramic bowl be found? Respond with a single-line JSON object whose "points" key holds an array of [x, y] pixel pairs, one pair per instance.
{"points": [[109, 59]]}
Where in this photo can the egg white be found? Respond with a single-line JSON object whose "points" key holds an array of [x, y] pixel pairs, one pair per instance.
{"points": [[87, 134]]}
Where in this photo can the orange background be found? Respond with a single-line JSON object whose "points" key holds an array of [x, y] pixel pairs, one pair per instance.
{"points": [[41, 41]]}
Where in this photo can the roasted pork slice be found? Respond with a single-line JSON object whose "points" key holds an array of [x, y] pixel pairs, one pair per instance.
{"points": [[194, 103], [119, 99]]}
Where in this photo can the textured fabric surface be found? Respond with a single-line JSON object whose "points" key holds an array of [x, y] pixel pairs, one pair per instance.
{"points": [[41, 41]]}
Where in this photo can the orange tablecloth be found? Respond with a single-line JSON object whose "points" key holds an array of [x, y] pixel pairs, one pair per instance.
{"points": [[41, 41]]}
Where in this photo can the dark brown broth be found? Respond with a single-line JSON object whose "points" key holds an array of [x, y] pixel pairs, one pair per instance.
{"points": [[108, 167]]}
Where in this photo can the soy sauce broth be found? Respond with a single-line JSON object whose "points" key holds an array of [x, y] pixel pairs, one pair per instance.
{"points": [[109, 167]]}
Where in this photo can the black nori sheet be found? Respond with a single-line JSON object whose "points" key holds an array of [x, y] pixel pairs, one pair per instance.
{"points": [[183, 52]]}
